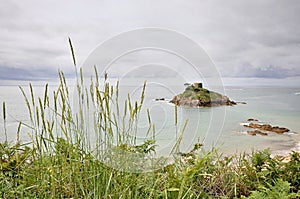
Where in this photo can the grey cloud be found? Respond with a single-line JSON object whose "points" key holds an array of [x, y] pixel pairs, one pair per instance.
{"points": [[261, 34], [10, 73], [266, 72]]}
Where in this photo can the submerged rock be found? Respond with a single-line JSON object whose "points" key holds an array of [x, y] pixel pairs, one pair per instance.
{"points": [[196, 96], [255, 132]]}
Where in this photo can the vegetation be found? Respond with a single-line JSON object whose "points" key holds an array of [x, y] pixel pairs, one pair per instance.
{"points": [[201, 94], [70, 172], [61, 162]]}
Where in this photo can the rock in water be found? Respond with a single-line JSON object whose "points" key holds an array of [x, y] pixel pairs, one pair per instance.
{"points": [[252, 120], [255, 132], [267, 127], [200, 97]]}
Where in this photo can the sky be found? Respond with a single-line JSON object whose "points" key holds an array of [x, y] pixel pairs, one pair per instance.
{"points": [[249, 40]]}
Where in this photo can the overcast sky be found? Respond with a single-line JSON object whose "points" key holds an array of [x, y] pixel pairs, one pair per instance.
{"points": [[245, 39]]}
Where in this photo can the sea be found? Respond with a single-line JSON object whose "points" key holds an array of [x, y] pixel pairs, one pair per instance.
{"points": [[214, 127]]}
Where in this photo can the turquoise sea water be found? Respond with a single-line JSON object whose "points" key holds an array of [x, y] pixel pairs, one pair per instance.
{"points": [[216, 126], [222, 127]]}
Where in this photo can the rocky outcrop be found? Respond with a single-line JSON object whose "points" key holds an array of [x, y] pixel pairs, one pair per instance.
{"points": [[200, 97], [267, 127]]}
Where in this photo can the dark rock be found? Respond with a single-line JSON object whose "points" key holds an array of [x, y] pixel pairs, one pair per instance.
{"points": [[252, 120], [230, 103], [160, 99], [267, 127]]}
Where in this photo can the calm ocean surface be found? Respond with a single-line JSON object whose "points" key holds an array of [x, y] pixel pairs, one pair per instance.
{"points": [[217, 126]]}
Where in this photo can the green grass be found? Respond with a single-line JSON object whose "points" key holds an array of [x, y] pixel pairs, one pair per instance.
{"points": [[61, 162], [69, 172], [201, 94]]}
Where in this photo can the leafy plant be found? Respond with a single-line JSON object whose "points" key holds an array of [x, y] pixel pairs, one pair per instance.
{"points": [[281, 189]]}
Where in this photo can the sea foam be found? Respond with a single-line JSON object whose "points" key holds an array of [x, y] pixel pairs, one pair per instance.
{"points": [[298, 147], [244, 123]]}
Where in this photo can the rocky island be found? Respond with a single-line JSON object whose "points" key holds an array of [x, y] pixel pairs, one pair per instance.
{"points": [[197, 96]]}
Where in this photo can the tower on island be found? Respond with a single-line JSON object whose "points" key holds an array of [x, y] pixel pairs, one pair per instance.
{"points": [[197, 85]]}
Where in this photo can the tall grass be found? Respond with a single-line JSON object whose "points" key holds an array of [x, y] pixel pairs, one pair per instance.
{"points": [[84, 146], [4, 120]]}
